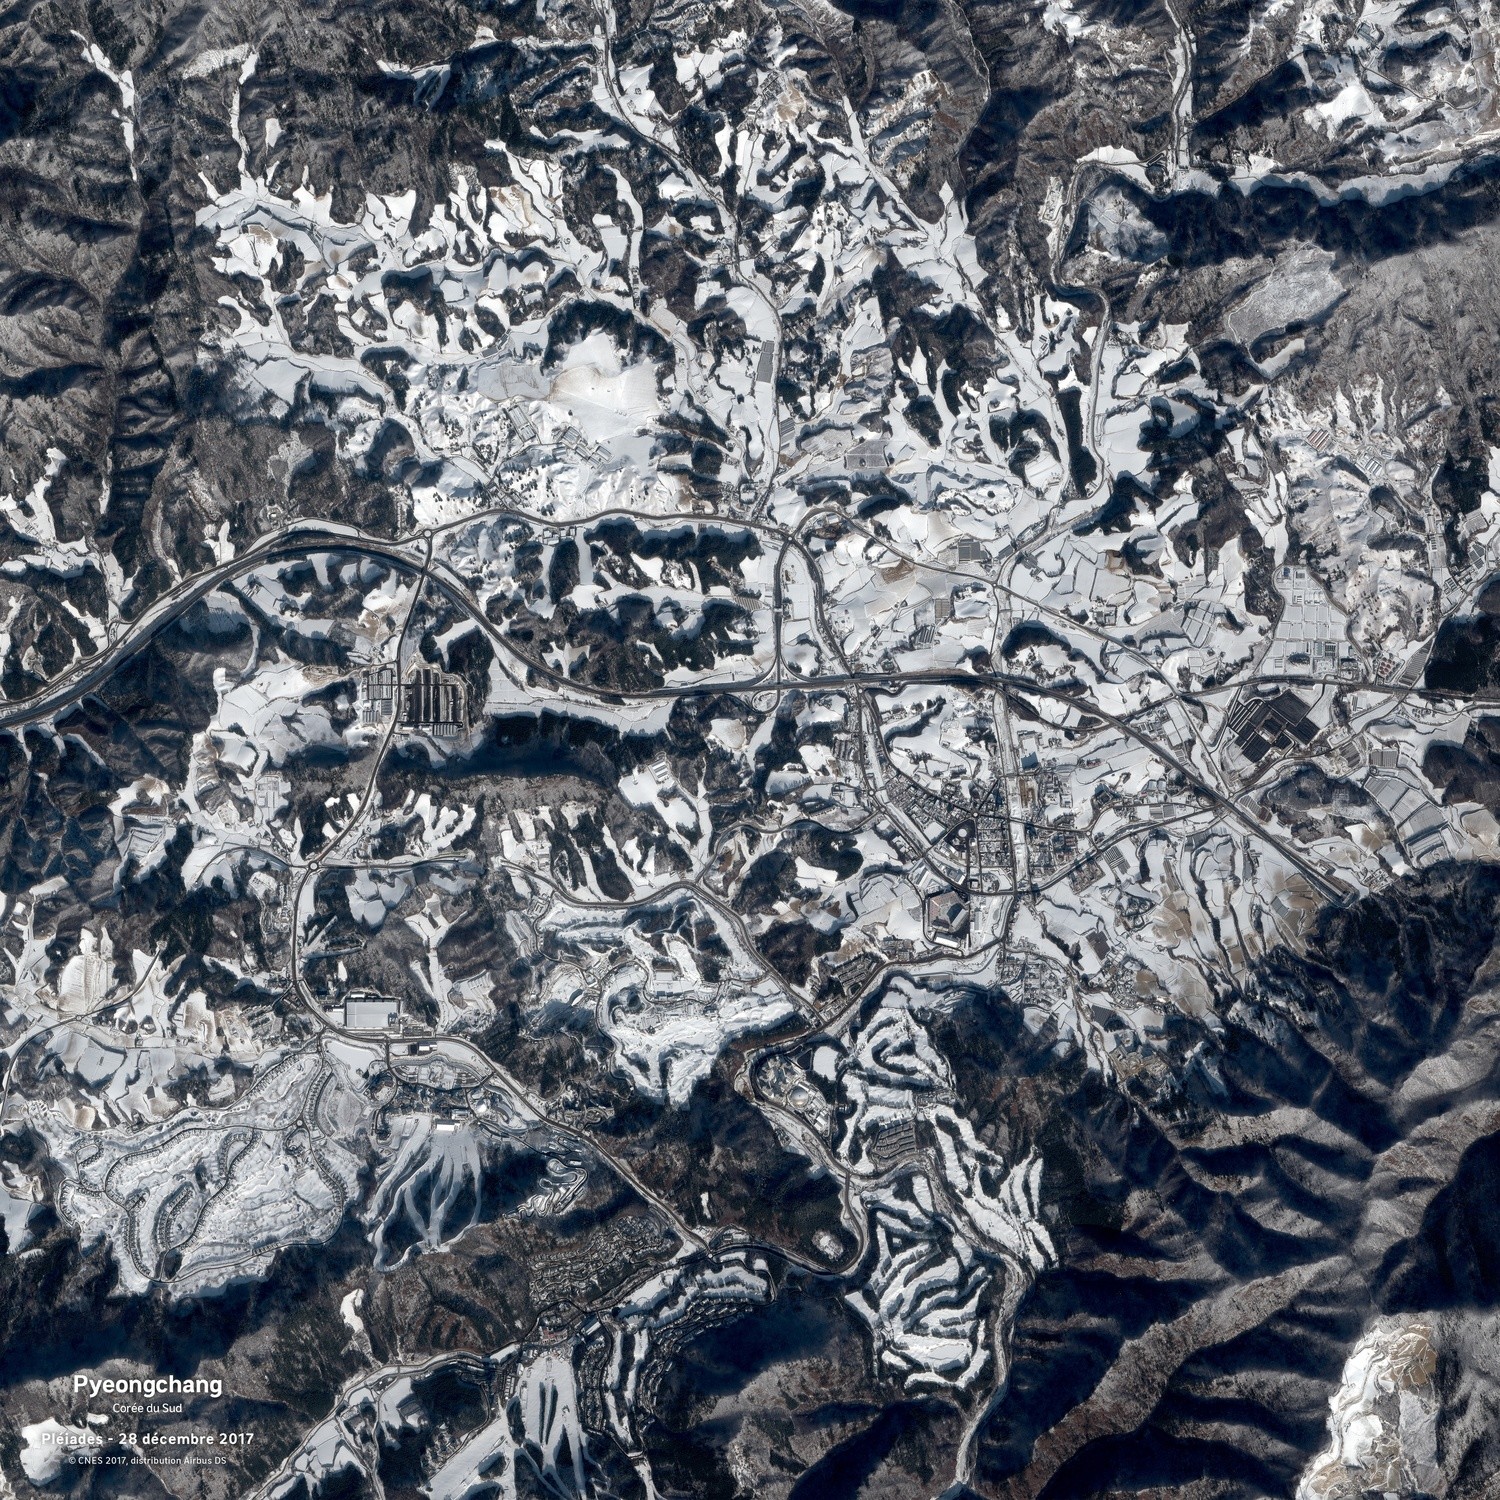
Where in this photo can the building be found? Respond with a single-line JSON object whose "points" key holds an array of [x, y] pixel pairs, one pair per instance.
{"points": [[948, 915], [380, 694], [430, 699], [434, 701], [1260, 725], [364, 1010]]}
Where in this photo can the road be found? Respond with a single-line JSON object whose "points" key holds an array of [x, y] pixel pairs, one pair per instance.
{"points": [[488, 1067], [305, 539], [418, 557]]}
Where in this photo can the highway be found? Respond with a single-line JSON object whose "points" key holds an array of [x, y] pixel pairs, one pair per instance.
{"points": [[305, 540], [419, 556]]}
